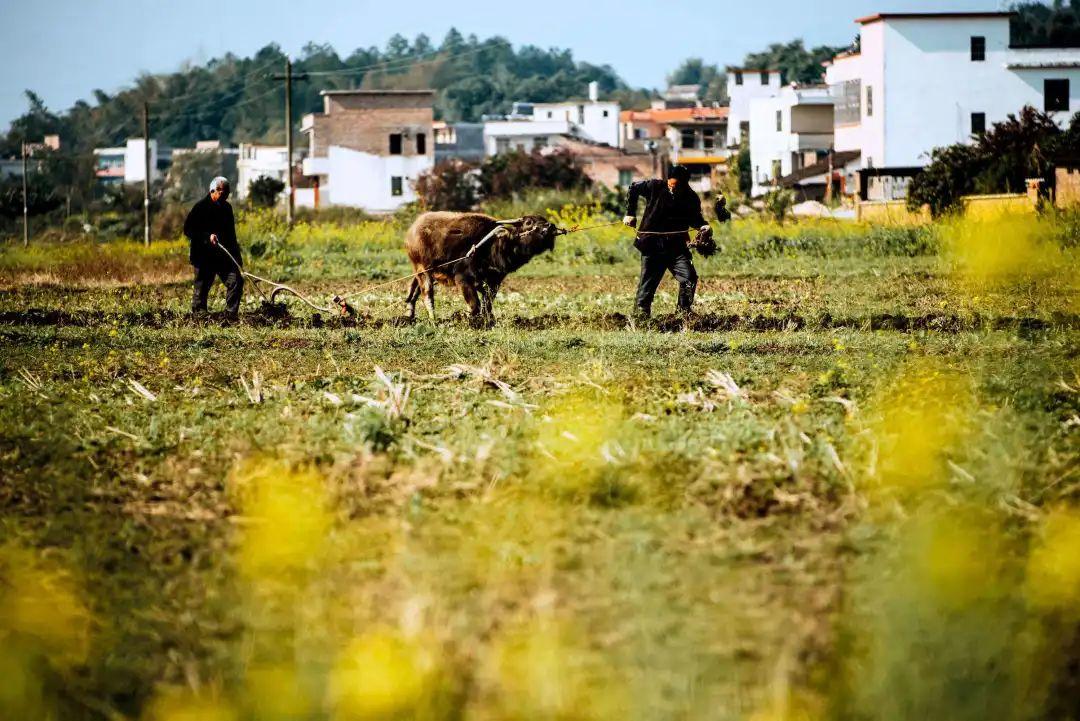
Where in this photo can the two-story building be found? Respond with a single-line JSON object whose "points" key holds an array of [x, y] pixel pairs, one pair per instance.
{"points": [[127, 164], [743, 86], [925, 80], [367, 147], [256, 161], [788, 132], [695, 137], [533, 126]]}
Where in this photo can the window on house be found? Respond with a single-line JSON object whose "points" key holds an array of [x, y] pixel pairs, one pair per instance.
{"points": [[689, 140], [978, 48], [869, 101], [708, 139], [626, 176], [744, 130], [765, 78], [421, 143], [395, 143], [779, 121], [1056, 94], [581, 114], [775, 169], [606, 113], [549, 115], [396, 185], [540, 142], [978, 123], [738, 77], [502, 145]]}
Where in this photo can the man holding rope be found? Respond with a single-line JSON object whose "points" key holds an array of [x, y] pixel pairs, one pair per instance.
{"points": [[671, 207], [212, 231]]}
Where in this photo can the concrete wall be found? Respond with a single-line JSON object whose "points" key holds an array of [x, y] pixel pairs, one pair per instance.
{"points": [[523, 134], [256, 161], [988, 207], [925, 86], [741, 96], [363, 180], [1067, 187], [596, 121]]}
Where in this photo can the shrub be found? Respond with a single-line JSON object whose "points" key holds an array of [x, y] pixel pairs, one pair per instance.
{"points": [[263, 192], [448, 186], [504, 175]]}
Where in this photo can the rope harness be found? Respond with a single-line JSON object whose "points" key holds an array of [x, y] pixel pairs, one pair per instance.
{"points": [[341, 301]]}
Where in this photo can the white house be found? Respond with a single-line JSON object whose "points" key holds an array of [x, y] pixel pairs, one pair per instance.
{"points": [[788, 132], [368, 147], [926, 80], [258, 161], [592, 120], [127, 164], [743, 86]]}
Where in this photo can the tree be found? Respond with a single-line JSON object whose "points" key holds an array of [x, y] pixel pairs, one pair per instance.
{"points": [[695, 71], [264, 191], [448, 186], [999, 161], [795, 63], [191, 173]]}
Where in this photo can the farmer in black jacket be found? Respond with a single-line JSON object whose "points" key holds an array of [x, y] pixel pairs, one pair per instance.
{"points": [[671, 207], [212, 231]]}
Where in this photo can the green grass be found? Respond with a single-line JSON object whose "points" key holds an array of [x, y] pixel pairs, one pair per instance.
{"points": [[569, 518]]}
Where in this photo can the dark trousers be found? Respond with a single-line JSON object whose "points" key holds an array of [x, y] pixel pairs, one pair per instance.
{"points": [[204, 279], [653, 267]]}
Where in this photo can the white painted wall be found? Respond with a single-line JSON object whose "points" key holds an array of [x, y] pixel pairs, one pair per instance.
{"points": [[742, 95], [524, 134], [932, 86], [363, 180], [597, 121], [768, 144], [925, 86], [135, 161], [846, 136], [260, 160]]}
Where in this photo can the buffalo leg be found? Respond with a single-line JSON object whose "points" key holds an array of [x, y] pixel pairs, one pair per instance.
{"points": [[429, 295], [411, 298], [472, 298], [487, 300]]}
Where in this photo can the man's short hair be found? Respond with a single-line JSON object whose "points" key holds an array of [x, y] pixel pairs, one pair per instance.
{"points": [[679, 172], [218, 182]]}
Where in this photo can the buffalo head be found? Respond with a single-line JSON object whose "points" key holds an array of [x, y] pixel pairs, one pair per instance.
{"points": [[534, 234]]}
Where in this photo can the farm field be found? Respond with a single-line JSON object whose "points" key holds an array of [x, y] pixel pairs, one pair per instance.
{"points": [[846, 489]]}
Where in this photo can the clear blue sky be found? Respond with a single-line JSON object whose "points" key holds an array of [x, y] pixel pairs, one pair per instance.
{"points": [[63, 49]]}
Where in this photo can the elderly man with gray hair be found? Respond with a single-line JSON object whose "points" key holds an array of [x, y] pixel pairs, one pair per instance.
{"points": [[212, 231]]}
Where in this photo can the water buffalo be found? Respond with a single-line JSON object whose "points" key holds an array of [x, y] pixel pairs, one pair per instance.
{"points": [[498, 248]]}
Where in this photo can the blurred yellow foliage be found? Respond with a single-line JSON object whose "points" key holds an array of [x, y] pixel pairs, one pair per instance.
{"points": [[1010, 252], [913, 423], [286, 517], [575, 434], [275, 692], [384, 675], [1053, 571], [537, 672], [39, 602], [177, 705], [958, 556]]}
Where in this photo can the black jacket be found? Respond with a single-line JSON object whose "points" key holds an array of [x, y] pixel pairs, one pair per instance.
{"points": [[208, 217], [665, 212]]}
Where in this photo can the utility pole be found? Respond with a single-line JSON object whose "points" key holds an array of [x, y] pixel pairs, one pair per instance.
{"points": [[146, 168], [288, 140], [288, 77], [25, 202]]}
